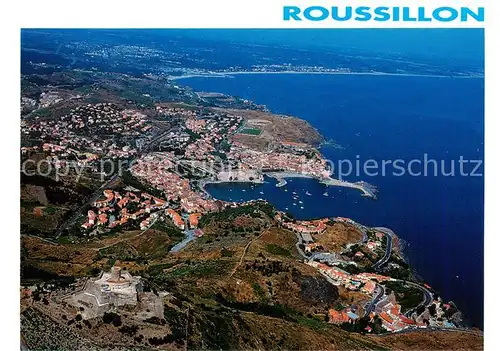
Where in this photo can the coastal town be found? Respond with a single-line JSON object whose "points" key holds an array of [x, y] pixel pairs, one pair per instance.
{"points": [[158, 212], [203, 147]]}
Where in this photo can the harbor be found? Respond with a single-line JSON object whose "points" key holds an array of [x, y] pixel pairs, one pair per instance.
{"points": [[367, 189]]}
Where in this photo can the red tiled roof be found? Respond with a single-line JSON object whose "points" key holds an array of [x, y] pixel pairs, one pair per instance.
{"points": [[406, 320], [386, 317], [337, 317], [395, 310]]}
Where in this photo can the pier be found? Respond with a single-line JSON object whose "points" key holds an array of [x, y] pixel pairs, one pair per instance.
{"points": [[282, 182], [367, 190]]}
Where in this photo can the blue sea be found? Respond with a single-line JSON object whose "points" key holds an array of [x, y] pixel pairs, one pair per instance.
{"points": [[388, 118]]}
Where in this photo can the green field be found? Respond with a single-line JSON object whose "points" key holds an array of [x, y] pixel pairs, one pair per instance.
{"points": [[250, 131]]}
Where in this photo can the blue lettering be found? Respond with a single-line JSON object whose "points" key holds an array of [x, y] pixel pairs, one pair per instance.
{"points": [[381, 14], [437, 14], [335, 13], [308, 13], [466, 12], [363, 13], [395, 14], [291, 12], [406, 15], [421, 15]]}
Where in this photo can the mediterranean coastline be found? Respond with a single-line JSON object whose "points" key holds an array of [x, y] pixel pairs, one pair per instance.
{"points": [[240, 213], [345, 203]]}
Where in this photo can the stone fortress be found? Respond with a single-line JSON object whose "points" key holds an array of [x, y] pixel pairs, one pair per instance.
{"points": [[119, 287], [113, 289]]}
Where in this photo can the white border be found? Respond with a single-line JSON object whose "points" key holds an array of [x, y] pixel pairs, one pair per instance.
{"points": [[209, 14], [214, 13]]}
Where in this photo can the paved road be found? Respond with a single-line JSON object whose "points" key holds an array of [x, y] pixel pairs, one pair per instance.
{"points": [[428, 297], [387, 254], [189, 236], [297, 245], [379, 292]]}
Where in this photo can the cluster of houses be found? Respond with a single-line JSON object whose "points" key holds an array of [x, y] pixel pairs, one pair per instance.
{"points": [[389, 312], [86, 128], [209, 128], [169, 111], [280, 161], [307, 227], [117, 209], [59, 155], [157, 170], [195, 125], [202, 148], [387, 309], [362, 281], [344, 316], [191, 220], [212, 132]]}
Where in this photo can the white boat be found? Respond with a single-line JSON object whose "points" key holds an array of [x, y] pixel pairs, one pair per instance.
{"points": [[294, 193], [300, 202], [286, 190], [308, 193], [244, 190], [262, 193], [325, 193], [301, 207], [294, 204]]}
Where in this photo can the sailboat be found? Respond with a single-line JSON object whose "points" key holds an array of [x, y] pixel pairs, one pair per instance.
{"points": [[308, 193], [325, 193]]}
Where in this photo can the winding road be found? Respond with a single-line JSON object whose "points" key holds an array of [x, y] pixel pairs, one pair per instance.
{"points": [[379, 292], [428, 296], [388, 249]]}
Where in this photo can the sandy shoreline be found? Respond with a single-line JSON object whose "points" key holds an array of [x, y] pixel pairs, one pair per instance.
{"points": [[230, 74]]}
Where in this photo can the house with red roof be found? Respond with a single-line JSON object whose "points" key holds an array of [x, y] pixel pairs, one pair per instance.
{"points": [[337, 317]]}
